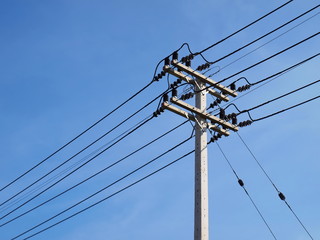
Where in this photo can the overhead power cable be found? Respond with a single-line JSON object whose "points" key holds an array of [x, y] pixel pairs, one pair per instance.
{"points": [[76, 169], [277, 98], [85, 148], [243, 28], [286, 109], [264, 60], [75, 138], [120, 179], [42, 185], [241, 183], [272, 56], [94, 175], [280, 194], [260, 46], [267, 34]]}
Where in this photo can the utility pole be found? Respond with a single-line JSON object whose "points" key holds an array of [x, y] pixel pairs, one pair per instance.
{"points": [[201, 211], [202, 121]]}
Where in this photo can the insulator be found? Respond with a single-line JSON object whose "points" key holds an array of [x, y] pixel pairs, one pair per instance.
{"points": [[212, 139], [163, 73], [240, 89], [159, 76], [174, 92], [207, 65], [234, 120], [182, 97], [161, 109], [156, 78], [175, 84], [219, 100], [167, 61], [282, 196], [222, 113], [219, 135], [215, 137], [183, 59], [155, 114], [240, 124], [191, 56], [188, 63], [175, 55], [179, 81], [249, 122], [165, 98], [241, 183], [233, 86], [171, 85], [158, 112], [191, 94], [247, 87]]}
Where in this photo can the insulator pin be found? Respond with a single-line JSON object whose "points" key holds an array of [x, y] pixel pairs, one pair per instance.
{"points": [[167, 61], [174, 92], [165, 98], [175, 55]]}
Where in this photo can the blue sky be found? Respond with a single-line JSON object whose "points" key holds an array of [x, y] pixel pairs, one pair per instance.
{"points": [[65, 64]]}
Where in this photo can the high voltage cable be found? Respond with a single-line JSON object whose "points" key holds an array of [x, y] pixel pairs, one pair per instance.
{"points": [[243, 28], [264, 60], [120, 179], [14, 202], [69, 159], [241, 183], [266, 43], [286, 109], [136, 128], [280, 194], [272, 56], [287, 69], [277, 98], [267, 34], [270, 79], [94, 175], [75, 138]]}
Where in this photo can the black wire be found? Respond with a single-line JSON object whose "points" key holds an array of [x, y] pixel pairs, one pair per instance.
{"points": [[137, 169], [75, 138], [69, 159], [136, 128], [274, 55], [286, 109], [94, 175], [265, 35], [69, 168], [277, 98], [244, 188], [236, 32], [266, 59], [275, 187], [287, 69]]}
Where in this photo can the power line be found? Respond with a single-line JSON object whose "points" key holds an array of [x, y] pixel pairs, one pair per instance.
{"points": [[82, 165], [241, 183], [94, 175], [75, 138], [280, 194], [264, 60], [266, 43], [243, 28], [277, 98], [14, 202], [286, 109], [79, 152], [267, 34], [272, 56], [120, 179]]}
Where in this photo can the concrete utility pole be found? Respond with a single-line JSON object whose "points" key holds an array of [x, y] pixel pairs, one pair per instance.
{"points": [[201, 212], [203, 121]]}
